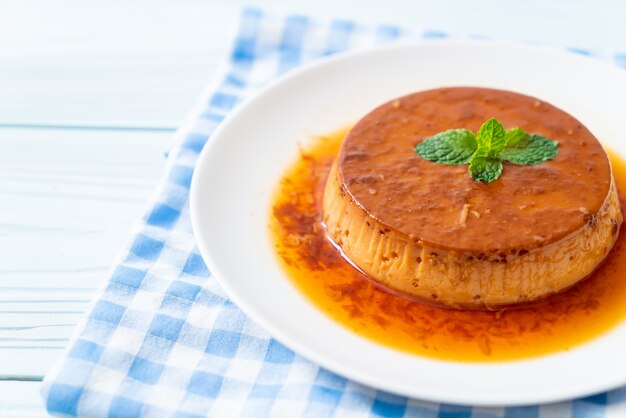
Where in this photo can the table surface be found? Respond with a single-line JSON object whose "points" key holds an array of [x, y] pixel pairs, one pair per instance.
{"points": [[90, 95]]}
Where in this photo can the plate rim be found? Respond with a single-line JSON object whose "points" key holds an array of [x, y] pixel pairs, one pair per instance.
{"points": [[309, 353]]}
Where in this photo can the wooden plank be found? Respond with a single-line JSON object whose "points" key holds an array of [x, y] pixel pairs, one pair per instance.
{"points": [[28, 361], [69, 199], [104, 64], [139, 92], [21, 400]]}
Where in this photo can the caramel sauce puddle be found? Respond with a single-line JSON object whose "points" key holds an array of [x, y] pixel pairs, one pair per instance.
{"points": [[332, 284]]}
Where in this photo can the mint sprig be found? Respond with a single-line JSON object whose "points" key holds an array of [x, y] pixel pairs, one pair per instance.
{"points": [[486, 151]]}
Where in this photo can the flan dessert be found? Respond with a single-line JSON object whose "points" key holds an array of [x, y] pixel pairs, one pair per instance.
{"points": [[432, 232]]}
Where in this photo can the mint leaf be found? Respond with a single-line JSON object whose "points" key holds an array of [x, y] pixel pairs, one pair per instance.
{"points": [[485, 165], [452, 147], [486, 169], [492, 137], [514, 136], [533, 149]]}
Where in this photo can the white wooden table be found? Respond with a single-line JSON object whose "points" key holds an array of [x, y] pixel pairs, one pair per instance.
{"points": [[90, 94]]}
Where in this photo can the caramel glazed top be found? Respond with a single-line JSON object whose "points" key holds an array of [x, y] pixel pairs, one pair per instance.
{"points": [[528, 206]]}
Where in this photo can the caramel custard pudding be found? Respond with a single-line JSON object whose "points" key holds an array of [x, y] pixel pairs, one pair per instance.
{"points": [[432, 232]]}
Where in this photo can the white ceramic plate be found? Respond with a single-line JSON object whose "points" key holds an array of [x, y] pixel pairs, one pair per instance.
{"points": [[239, 169]]}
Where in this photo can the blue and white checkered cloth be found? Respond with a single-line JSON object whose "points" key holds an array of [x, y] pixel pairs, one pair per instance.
{"points": [[163, 339]]}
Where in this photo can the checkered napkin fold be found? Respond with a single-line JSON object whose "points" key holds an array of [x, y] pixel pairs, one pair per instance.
{"points": [[163, 339]]}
